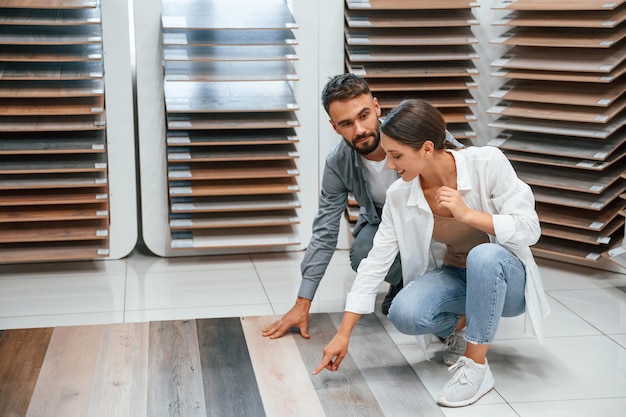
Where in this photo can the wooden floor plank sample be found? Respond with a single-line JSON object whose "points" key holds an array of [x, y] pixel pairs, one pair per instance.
{"points": [[568, 179], [81, 230], [216, 37], [428, 84], [175, 386], [230, 386], [407, 4], [576, 199], [230, 71], [45, 89], [343, 393], [282, 377], [567, 19], [563, 59], [52, 106], [52, 123], [582, 219], [584, 94], [385, 369], [50, 4], [57, 35], [231, 137], [590, 149], [48, 71], [412, 69], [558, 5], [52, 213], [66, 377], [277, 120], [50, 17], [409, 18], [35, 197], [559, 127], [557, 37], [409, 53], [583, 236], [56, 251], [21, 355], [577, 163], [562, 76], [232, 153], [410, 36], [239, 203], [231, 220], [257, 237], [233, 170], [48, 53], [233, 187], [228, 53], [120, 386]]}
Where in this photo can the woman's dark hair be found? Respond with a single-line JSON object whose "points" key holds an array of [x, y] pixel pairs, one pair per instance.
{"points": [[343, 87], [414, 122]]}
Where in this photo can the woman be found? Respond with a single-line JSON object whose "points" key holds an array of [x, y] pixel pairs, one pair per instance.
{"points": [[471, 203]]}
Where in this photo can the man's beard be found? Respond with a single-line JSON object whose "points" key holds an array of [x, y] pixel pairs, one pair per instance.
{"points": [[366, 149]]}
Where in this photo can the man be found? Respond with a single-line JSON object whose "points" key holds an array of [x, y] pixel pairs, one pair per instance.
{"points": [[356, 165]]}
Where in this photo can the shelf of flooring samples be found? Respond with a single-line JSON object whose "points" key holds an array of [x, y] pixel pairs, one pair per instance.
{"points": [[416, 49], [230, 145], [562, 112], [54, 151]]}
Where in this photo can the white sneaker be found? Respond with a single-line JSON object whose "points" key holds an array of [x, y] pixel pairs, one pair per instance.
{"points": [[470, 382], [454, 347]]}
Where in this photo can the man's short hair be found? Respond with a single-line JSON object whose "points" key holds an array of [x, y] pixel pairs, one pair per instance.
{"points": [[343, 87]]}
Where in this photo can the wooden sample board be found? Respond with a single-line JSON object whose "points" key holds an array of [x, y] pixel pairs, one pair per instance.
{"points": [[558, 5], [205, 367], [562, 18], [53, 156]]}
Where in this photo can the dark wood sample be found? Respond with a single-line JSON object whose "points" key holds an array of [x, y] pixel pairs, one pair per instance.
{"points": [[51, 71], [47, 89], [410, 36], [619, 158], [232, 220], [52, 123], [412, 69], [272, 120], [231, 137], [558, 127], [557, 37], [584, 236], [34, 143], [52, 106], [51, 213], [406, 54], [232, 153], [233, 170], [579, 218], [50, 17], [427, 84], [228, 53], [53, 232], [580, 200], [54, 196], [234, 187], [62, 35], [52, 251], [51, 53]]}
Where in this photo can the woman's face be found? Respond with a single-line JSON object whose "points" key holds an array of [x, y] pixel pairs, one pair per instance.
{"points": [[408, 162]]}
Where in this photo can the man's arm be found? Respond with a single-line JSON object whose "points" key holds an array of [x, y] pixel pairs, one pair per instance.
{"points": [[298, 317]]}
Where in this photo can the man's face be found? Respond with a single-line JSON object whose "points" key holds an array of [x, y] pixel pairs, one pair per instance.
{"points": [[356, 120]]}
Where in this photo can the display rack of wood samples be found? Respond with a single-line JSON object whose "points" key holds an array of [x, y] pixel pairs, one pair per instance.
{"points": [[562, 114], [54, 187], [415, 49], [231, 115]]}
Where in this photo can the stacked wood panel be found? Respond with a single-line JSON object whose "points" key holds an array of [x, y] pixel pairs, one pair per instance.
{"points": [[562, 111], [54, 202], [231, 117]]}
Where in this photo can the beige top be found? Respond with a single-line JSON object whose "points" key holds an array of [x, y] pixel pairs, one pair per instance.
{"points": [[459, 239]]}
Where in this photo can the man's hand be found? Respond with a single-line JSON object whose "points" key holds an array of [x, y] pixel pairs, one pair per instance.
{"points": [[333, 353], [298, 317]]}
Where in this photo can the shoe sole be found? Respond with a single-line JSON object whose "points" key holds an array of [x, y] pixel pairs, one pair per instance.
{"points": [[485, 387]]}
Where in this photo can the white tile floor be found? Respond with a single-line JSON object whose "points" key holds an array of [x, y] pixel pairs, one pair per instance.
{"points": [[579, 370]]}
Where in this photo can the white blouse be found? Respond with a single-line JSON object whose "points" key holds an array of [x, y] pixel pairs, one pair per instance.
{"points": [[488, 183]]}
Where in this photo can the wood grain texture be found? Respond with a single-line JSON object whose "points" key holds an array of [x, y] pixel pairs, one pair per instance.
{"points": [[120, 383], [230, 386], [21, 355], [284, 383], [66, 377], [175, 387]]}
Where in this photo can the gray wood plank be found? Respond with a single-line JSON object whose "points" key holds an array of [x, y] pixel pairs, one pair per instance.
{"points": [[343, 393], [576, 199], [21, 355], [412, 69], [175, 387], [238, 137], [234, 204], [410, 36], [230, 71], [237, 121], [229, 37], [230, 386], [47, 4], [50, 17], [410, 54], [410, 18], [51, 70], [386, 370], [582, 219], [228, 53]]}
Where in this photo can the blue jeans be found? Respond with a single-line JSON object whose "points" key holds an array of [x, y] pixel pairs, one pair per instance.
{"points": [[361, 246], [491, 286]]}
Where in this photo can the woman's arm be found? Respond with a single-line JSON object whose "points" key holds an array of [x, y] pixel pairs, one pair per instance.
{"points": [[337, 348]]}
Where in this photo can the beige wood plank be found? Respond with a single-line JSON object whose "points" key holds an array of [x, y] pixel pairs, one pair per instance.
{"points": [[546, 111], [410, 54], [410, 18], [275, 120], [46, 89], [568, 19], [560, 146], [48, 71], [51, 53], [558, 5], [228, 220], [50, 17], [120, 381], [568, 179], [563, 59], [233, 170], [566, 251], [408, 4], [284, 382], [410, 36], [234, 187], [229, 204], [562, 76], [558, 127], [230, 71], [232, 37], [175, 385], [584, 236], [56, 251], [49, 4], [66, 376], [579, 94], [265, 237], [577, 199], [427, 84], [412, 69], [51, 123], [55, 196], [228, 53], [58, 213], [439, 99], [579, 218], [557, 37], [52, 106], [216, 14], [565, 162], [231, 138], [54, 232]]}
